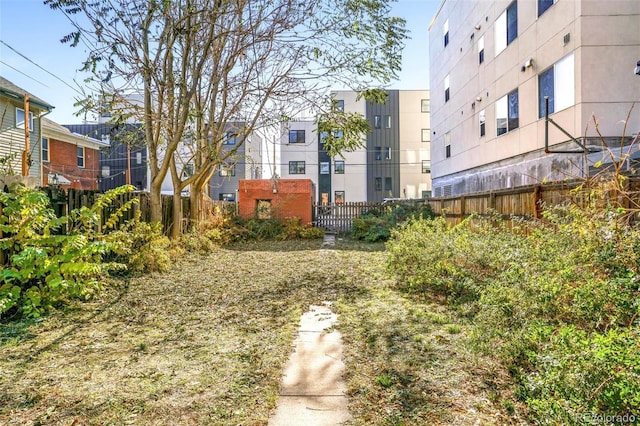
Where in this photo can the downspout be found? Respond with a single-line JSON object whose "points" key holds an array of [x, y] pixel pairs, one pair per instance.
{"points": [[26, 157]]}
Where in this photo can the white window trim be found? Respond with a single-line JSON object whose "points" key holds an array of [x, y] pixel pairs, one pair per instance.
{"points": [[48, 150], [20, 124], [84, 156]]}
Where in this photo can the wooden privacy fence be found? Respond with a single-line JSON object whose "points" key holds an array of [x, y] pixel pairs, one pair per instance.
{"points": [[338, 218], [65, 201], [526, 202]]}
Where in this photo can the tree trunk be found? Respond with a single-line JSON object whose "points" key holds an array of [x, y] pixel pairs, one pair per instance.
{"points": [[195, 202], [176, 229], [155, 202]]}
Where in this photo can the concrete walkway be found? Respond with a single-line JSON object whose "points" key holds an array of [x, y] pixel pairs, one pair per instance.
{"points": [[312, 392]]}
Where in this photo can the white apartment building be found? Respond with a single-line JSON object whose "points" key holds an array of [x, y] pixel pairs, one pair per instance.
{"points": [[493, 63], [394, 161]]}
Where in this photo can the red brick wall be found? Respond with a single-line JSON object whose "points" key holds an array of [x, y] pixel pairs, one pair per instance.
{"points": [[293, 198], [63, 160]]}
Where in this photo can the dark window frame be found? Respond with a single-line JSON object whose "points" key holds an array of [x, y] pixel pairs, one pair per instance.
{"points": [[378, 153], [230, 138], [296, 169], [227, 170], [294, 136], [512, 22]]}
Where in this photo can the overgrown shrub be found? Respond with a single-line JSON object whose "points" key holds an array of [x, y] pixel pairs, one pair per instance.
{"points": [[141, 246], [376, 225], [47, 260], [557, 300], [452, 261]]}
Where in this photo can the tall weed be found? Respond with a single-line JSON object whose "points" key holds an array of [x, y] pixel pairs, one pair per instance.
{"points": [[557, 300]]}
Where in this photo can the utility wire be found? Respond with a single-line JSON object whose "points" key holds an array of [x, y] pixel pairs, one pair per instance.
{"points": [[26, 75], [42, 68]]}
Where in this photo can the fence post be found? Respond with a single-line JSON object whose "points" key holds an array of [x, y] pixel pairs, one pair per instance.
{"points": [[537, 199]]}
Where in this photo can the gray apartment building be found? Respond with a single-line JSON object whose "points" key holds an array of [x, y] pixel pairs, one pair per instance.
{"points": [[394, 161], [245, 162], [492, 65]]}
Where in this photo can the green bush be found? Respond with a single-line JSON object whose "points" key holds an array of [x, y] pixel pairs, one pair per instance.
{"points": [[141, 246], [453, 261], [376, 225], [557, 300], [48, 260]]}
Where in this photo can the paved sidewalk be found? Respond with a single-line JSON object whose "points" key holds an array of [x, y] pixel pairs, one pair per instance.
{"points": [[312, 392]]}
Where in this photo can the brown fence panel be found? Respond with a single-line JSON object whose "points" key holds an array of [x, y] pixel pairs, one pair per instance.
{"points": [[524, 202]]}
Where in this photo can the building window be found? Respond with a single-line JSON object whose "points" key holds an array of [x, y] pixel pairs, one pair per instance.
{"points": [[543, 5], [378, 184], [45, 149], [378, 153], [296, 136], [426, 166], [387, 121], [558, 84], [339, 197], [424, 105], [106, 171], [340, 105], [387, 153], [425, 135], [325, 168], [187, 171], [483, 121], [377, 121], [80, 156], [20, 119], [338, 167], [138, 157], [297, 167], [447, 145], [506, 28], [507, 113], [226, 170], [263, 209], [227, 196], [446, 88], [445, 32], [230, 138], [387, 184], [426, 194], [481, 50]]}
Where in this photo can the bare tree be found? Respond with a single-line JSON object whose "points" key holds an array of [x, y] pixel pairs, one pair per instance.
{"points": [[201, 64]]}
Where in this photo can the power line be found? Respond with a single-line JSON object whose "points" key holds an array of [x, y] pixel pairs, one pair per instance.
{"points": [[42, 68], [26, 75]]}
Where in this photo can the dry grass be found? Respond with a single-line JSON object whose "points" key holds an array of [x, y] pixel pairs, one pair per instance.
{"points": [[206, 343]]}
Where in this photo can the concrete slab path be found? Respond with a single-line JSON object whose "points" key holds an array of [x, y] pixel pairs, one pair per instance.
{"points": [[313, 390]]}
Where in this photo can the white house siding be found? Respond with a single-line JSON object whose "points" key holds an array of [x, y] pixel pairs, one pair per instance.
{"points": [[12, 140]]}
